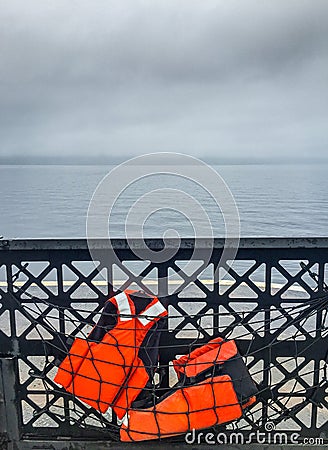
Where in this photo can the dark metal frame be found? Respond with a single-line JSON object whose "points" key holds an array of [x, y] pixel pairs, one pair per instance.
{"points": [[17, 349]]}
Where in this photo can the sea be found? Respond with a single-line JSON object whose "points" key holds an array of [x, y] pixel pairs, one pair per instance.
{"points": [[272, 200]]}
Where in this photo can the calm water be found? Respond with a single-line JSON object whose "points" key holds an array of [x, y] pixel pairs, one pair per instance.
{"points": [[273, 200]]}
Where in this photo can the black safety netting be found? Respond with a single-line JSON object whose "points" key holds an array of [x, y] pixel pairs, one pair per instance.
{"points": [[121, 371]]}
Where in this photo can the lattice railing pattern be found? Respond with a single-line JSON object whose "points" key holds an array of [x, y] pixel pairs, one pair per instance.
{"points": [[261, 299]]}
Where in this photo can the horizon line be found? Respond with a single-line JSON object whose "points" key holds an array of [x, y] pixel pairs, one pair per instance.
{"points": [[113, 160]]}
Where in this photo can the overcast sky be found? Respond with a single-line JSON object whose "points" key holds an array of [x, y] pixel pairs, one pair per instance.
{"points": [[224, 78]]}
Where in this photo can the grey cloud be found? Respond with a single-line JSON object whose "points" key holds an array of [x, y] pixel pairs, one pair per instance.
{"points": [[236, 78]]}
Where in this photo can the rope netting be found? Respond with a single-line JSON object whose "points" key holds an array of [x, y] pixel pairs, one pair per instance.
{"points": [[113, 365]]}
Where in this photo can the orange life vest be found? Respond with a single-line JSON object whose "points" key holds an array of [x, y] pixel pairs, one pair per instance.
{"points": [[214, 388], [110, 372]]}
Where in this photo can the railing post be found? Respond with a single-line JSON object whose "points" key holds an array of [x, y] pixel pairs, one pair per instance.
{"points": [[9, 423]]}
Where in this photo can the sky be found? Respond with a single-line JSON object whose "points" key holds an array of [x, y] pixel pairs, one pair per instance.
{"points": [[229, 80]]}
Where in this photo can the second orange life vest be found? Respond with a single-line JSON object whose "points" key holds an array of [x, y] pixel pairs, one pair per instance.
{"points": [[214, 388]]}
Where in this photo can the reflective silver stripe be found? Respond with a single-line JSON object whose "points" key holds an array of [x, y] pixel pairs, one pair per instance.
{"points": [[123, 306], [125, 420], [153, 311]]}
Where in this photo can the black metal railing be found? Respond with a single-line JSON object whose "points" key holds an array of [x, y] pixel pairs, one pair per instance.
{"points": [[266, 299]]}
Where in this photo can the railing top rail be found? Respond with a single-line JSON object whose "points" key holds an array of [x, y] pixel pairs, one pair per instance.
{"points": [[156, 243]]}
